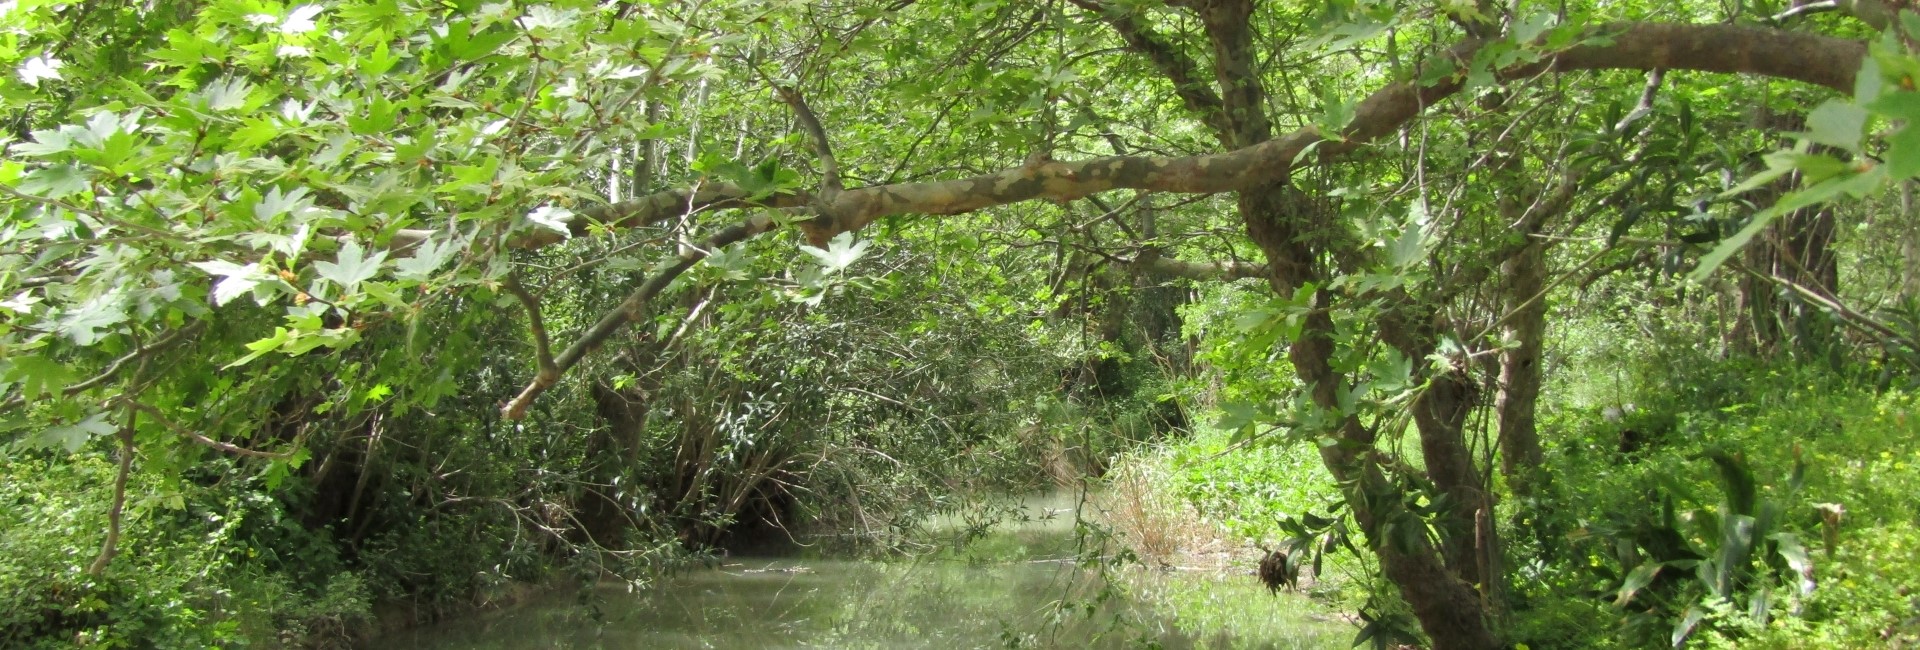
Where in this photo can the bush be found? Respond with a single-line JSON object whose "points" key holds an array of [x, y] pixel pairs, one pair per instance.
{"points": [[186, 574]]}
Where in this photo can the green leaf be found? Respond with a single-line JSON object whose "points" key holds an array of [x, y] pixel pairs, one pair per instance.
{"points": [[1867, 82], [255, 132], [1685, 627], [1837, 123], [1638, 579], [1236, 415], [72, 436], [45, 143], [83, 325], [39, 375], [428, 257], [262, 347], [552, 217], [55, 182], [351, 267], [235, 280], [1797, 559], [226, 94], [1819, 193]]}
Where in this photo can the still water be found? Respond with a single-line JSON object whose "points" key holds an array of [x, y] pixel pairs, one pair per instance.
{"points": [[1023, 586]]}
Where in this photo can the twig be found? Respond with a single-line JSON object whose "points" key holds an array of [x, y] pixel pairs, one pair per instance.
{"points": [[117, 511], [202, 439], [630, 310], [107, 374]]}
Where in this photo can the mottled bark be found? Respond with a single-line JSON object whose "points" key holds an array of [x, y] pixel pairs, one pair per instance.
{"points": [[1520, 450], [1440, 415]]}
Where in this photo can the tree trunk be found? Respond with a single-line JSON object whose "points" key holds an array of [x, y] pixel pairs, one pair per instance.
{"points": [[1520, 451], [612, 452], [1280, 220], [1440, 415]]}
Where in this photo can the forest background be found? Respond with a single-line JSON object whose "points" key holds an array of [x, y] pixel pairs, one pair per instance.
{"points": [[1547, 324]]}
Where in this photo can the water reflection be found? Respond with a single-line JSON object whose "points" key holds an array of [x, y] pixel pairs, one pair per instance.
{"points": [[1030, 594]]}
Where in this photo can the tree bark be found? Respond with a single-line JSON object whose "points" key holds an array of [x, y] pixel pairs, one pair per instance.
{"points": [[1283, 221], [1520, 451]]}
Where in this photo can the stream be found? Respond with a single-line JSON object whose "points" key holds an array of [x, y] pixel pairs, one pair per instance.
{"points": [[1020, 586]]}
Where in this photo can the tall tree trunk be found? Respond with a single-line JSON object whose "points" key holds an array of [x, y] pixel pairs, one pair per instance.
{"points": [[1520, 451], [1440, 415], [1281, 219], [612, 451], [1796, 248], [1909, 244]]}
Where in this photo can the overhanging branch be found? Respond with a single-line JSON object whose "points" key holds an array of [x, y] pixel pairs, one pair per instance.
{"points": [[1810, 58]]}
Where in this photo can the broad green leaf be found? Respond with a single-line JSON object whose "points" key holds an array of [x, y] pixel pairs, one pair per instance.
{"points": [[1684, 628], [351, 267], [1867, 83], [235, 280], [1797, 559], [39, 375], [46, 142], [1236, 415], [72, 436], [40, 68], [55, 182], [552, 217], [83, 325], [261, 347], [1837, 123], [1819, 193], [428, 257], [1637, 579]]}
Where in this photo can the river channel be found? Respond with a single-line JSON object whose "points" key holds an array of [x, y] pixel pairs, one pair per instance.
{"points": [[1025, 585]]}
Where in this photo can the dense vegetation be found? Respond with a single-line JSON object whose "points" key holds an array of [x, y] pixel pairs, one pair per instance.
{"points": [[1521, 323]]}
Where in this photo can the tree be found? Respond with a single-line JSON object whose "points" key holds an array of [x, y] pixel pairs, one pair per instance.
{"points": [[291, 178]]}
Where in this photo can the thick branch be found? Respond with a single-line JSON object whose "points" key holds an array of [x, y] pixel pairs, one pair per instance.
{"points": [[1179, 68], [829, 169], [639, 212], [1229, 26], [1814, 59], [542, 350]]}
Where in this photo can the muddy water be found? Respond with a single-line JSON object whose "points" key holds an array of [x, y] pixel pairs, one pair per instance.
{"points": [[1022, 586]]}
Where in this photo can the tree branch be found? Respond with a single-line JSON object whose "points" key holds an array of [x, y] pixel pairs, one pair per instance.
{"points": [[829, 170], [1229, 25], [195, 436], [825, 223], [631, 309], [1199, 270], [107, 374], [542, 351], [1814, 59], [1179, 68], [116, 512]]}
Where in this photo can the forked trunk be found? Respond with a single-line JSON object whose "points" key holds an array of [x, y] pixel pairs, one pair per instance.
{"points": [[1449, 610]]}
